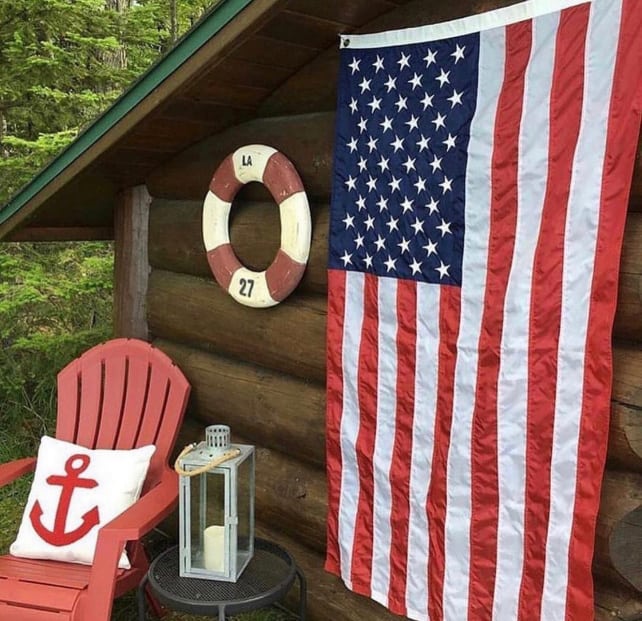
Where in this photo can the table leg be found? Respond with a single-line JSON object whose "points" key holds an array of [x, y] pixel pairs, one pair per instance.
{"points": [[221, 613], [140, 595], [303, 594]]}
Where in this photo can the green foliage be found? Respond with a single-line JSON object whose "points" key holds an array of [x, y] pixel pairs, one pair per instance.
{"points": [[55, 302], [62, 62]]}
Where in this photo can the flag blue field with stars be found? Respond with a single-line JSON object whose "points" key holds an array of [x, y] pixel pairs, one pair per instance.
{"points": [[398, 203]]}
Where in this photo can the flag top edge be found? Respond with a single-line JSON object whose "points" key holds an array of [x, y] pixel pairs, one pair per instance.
{"points": [[458, 27]]}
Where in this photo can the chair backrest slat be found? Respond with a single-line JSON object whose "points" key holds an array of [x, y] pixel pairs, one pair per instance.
{"points": [[159, 387], [68, 412], [115, 389], [91, 401], [135, 401]]}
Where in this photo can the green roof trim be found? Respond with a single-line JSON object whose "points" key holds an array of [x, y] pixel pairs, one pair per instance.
{"points": [[212, 23]]}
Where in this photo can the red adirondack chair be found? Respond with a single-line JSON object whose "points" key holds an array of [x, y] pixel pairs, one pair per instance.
{"points": [[120, 395]]}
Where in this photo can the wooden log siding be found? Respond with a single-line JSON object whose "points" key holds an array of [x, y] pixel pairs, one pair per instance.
{"points": [[264, 372], [289, 338], [280, 412], [616, 604], [619, 529]]}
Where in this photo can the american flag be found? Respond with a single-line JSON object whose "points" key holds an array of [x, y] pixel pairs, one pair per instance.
{"points": [[482, 171]]}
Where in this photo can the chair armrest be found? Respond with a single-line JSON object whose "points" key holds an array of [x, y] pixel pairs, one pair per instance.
{"points": [[130, 525], [14, 469], [146, 512]]}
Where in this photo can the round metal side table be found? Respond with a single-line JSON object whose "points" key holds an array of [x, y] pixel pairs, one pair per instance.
{"points": [[268, 577]]}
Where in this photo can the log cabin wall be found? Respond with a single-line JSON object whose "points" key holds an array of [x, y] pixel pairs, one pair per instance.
{"points": [[262, 371]]}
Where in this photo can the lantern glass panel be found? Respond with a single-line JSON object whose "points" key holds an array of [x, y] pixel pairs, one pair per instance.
{"points": [[208, 521], [245, 510]]}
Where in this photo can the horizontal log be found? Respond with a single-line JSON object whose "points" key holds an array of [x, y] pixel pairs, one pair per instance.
{"points": [[276, 411], [625, 546], [631, 262], [625, 433], [616, 604], [619, 530], [176, 240], [290, 496], [627, 371], [289, 337], [625, 438], [307, 140], [628, 315]]}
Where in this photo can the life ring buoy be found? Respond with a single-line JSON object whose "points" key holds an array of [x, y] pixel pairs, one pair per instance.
{"points": [[266, 165]]}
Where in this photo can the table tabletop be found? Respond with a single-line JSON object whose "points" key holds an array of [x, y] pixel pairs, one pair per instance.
{"points": [[267, 578]]}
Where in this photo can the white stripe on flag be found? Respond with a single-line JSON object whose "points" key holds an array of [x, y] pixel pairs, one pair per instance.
{"points": [[579, 255], [423, 440], [349, 499], [512, 389], [385, 438], [499, 18], [478, 205]]}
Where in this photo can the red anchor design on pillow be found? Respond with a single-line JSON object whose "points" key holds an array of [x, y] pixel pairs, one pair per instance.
{"points": [[69, 482]]}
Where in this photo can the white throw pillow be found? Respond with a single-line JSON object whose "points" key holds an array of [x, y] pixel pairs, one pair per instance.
{"points": [[76, 490]]}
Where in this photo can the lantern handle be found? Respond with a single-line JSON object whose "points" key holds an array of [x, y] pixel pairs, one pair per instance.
{"points": [[219, 459]]}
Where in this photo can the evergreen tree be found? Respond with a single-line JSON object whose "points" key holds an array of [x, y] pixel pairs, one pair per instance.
{"points": [[63, 61], [52, 78]]}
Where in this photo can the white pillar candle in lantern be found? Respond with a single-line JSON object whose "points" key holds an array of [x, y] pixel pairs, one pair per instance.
{"points": [[214, 548], [216, 507]]}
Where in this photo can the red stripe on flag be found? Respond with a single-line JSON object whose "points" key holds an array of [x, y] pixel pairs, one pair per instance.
{"points": [[546, 300], [361, 571], [621, 147], [449, 319], [334, 353], [503, 223], [402, 452]]}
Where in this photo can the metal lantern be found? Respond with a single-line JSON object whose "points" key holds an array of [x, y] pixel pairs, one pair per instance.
{"points": [[216, 507]]}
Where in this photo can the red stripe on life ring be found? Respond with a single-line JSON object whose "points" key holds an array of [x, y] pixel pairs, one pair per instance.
{"points": [[283, 275], [224, 183], [281, 178], [223, 263]]}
